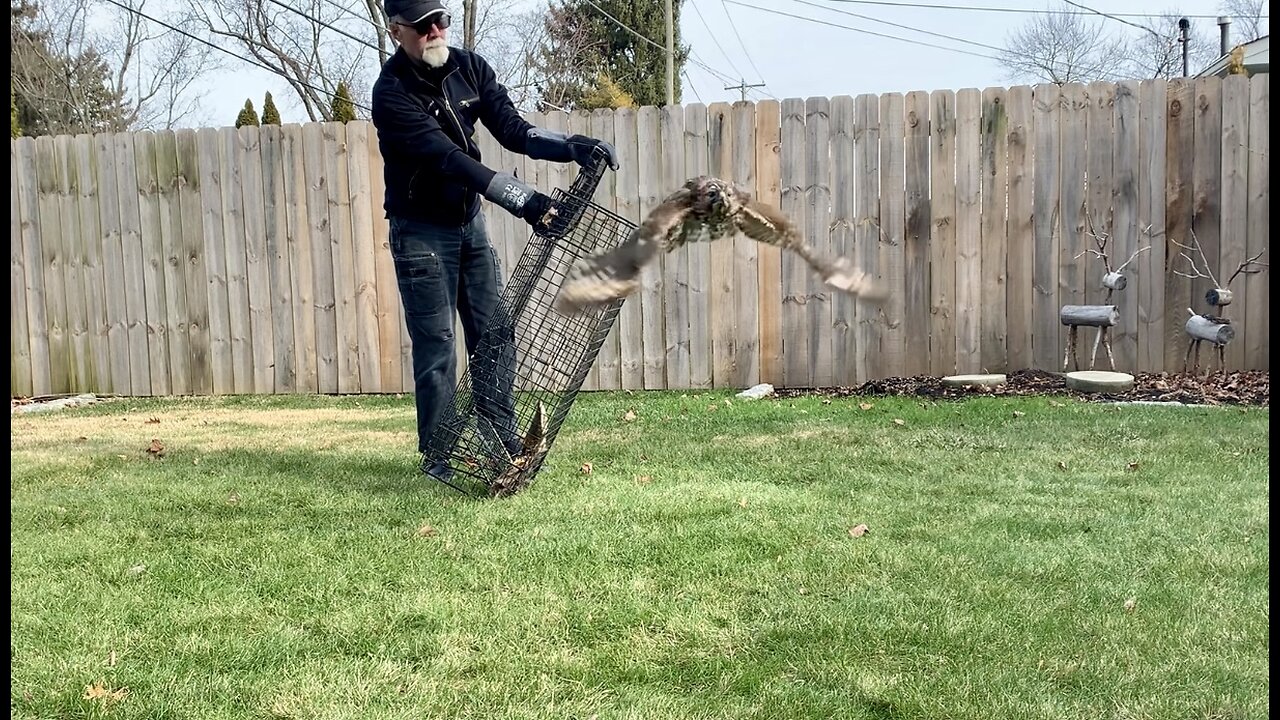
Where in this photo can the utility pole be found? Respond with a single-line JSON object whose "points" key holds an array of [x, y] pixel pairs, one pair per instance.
{"points": [[671, 56], [1184, 27], [469, 24], [743, 87]]}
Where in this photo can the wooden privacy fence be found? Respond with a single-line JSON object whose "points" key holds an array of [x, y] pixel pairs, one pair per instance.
{"points": [[256, 261]]}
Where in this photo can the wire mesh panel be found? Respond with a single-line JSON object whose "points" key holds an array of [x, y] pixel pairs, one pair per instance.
{"points": [[530, 361]]}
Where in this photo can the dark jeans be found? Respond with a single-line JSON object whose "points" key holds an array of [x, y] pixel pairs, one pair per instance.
{"points": [[442, 271]]}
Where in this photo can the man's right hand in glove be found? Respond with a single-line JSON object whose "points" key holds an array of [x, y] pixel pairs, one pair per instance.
{"points": [[521, 200]]}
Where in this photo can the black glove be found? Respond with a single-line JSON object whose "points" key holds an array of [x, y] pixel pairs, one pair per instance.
{"points": [[557, 147], [539, 210], [519, 199], [582, 147]]}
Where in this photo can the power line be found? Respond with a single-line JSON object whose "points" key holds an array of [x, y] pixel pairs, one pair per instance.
{"points": [[868, 32], [219, 48], [1113, 17], [714, 39], [624, 26], [324, 24], [734, 25], [1025, 11], [904, 27], [722, 52]]}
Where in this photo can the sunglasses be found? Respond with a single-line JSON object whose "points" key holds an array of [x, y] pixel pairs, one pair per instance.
{"points": [[423, 26]]}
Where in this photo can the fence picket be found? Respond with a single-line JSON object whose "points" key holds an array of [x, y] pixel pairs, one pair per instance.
{"points": [[1258, 230], [917, 236], [993, 252], [1019, 291]]}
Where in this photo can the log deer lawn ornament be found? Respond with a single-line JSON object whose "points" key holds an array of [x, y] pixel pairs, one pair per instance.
{"points": [[1216, 329], [1103, 316]]}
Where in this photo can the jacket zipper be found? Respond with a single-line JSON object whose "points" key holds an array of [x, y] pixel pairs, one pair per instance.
{"points": [[448, 105]]}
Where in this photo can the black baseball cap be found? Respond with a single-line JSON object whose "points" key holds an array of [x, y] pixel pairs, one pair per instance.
{"points": [[412, 10]]}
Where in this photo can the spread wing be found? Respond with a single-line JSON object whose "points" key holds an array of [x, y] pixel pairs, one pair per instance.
{"points": [[764, 223], [602, 277]]}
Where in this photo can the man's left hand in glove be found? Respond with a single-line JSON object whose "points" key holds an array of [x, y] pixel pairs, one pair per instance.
{"points": [[558, 147]]}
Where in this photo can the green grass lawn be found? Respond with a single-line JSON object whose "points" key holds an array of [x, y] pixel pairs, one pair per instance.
{"points": [[283, 558]]}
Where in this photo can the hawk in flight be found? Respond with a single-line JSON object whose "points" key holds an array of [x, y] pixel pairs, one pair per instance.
{"points": [[704, 209]]}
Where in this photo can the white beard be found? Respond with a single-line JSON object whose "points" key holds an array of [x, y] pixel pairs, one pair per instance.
{"points": [[436, 54]]}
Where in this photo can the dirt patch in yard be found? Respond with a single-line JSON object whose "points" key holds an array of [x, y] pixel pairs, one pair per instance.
{"points": [[1252, 387]]}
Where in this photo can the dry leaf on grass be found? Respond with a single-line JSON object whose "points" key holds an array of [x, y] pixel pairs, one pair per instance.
{"points": [[156, 448], [101, 692], [859, 530], [742, 502], [865, 406], [1018, 413], [643, 479], [1055, 403], [899, 421], [233, 499], [111, 659], [137, 570], [629, 416], [153, 421], [1131, 467], [586, 468], [1130, 604], [1062, 465], [426, 531]]}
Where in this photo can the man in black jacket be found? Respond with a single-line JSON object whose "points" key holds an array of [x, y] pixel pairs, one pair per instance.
{"points": [[426, 102]]}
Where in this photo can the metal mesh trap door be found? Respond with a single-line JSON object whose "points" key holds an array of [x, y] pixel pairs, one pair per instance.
{"points": [[530, 362]]}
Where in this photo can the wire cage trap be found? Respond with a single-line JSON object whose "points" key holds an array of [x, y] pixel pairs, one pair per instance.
{"points": [[530, 362]]}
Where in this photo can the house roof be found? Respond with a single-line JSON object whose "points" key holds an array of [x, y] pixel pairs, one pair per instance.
{"points": [[1257, 58]]}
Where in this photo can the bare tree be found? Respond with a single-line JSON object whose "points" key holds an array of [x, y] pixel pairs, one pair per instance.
{"points": [[302, 42], [1156, 51], [1074, 47], [1249, 21], [156, 68], [97, 66], [1061, 48]]}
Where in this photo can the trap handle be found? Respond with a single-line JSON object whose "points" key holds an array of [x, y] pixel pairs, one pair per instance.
{"points": [[570, 203]]}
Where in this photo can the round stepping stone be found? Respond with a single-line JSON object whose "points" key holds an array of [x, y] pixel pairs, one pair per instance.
{"points": [[974, 380], [1099, 381]]}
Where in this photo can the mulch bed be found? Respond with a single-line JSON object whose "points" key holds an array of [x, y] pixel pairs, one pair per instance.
{"points": [[1252, 387]]}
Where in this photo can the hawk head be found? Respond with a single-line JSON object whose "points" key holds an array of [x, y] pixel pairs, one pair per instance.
{"points": [[714, 202]]}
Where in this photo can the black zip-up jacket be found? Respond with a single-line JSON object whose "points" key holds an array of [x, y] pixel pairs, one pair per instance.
{"points": [[426, 120]]}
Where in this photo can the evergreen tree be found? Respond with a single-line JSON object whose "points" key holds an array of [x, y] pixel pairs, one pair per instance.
{"points": [[638, 68], [247, 116], [54, 92], [270, 116], [343, 109]]}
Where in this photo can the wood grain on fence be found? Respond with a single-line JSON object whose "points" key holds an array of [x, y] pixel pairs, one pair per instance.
{"points": [[993, 252], [1126, 165], [942, 245], [1019, 291], [1258, 232], [257, 260]]}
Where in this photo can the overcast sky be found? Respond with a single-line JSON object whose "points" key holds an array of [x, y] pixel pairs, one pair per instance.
{"points": [[796, 57]]}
